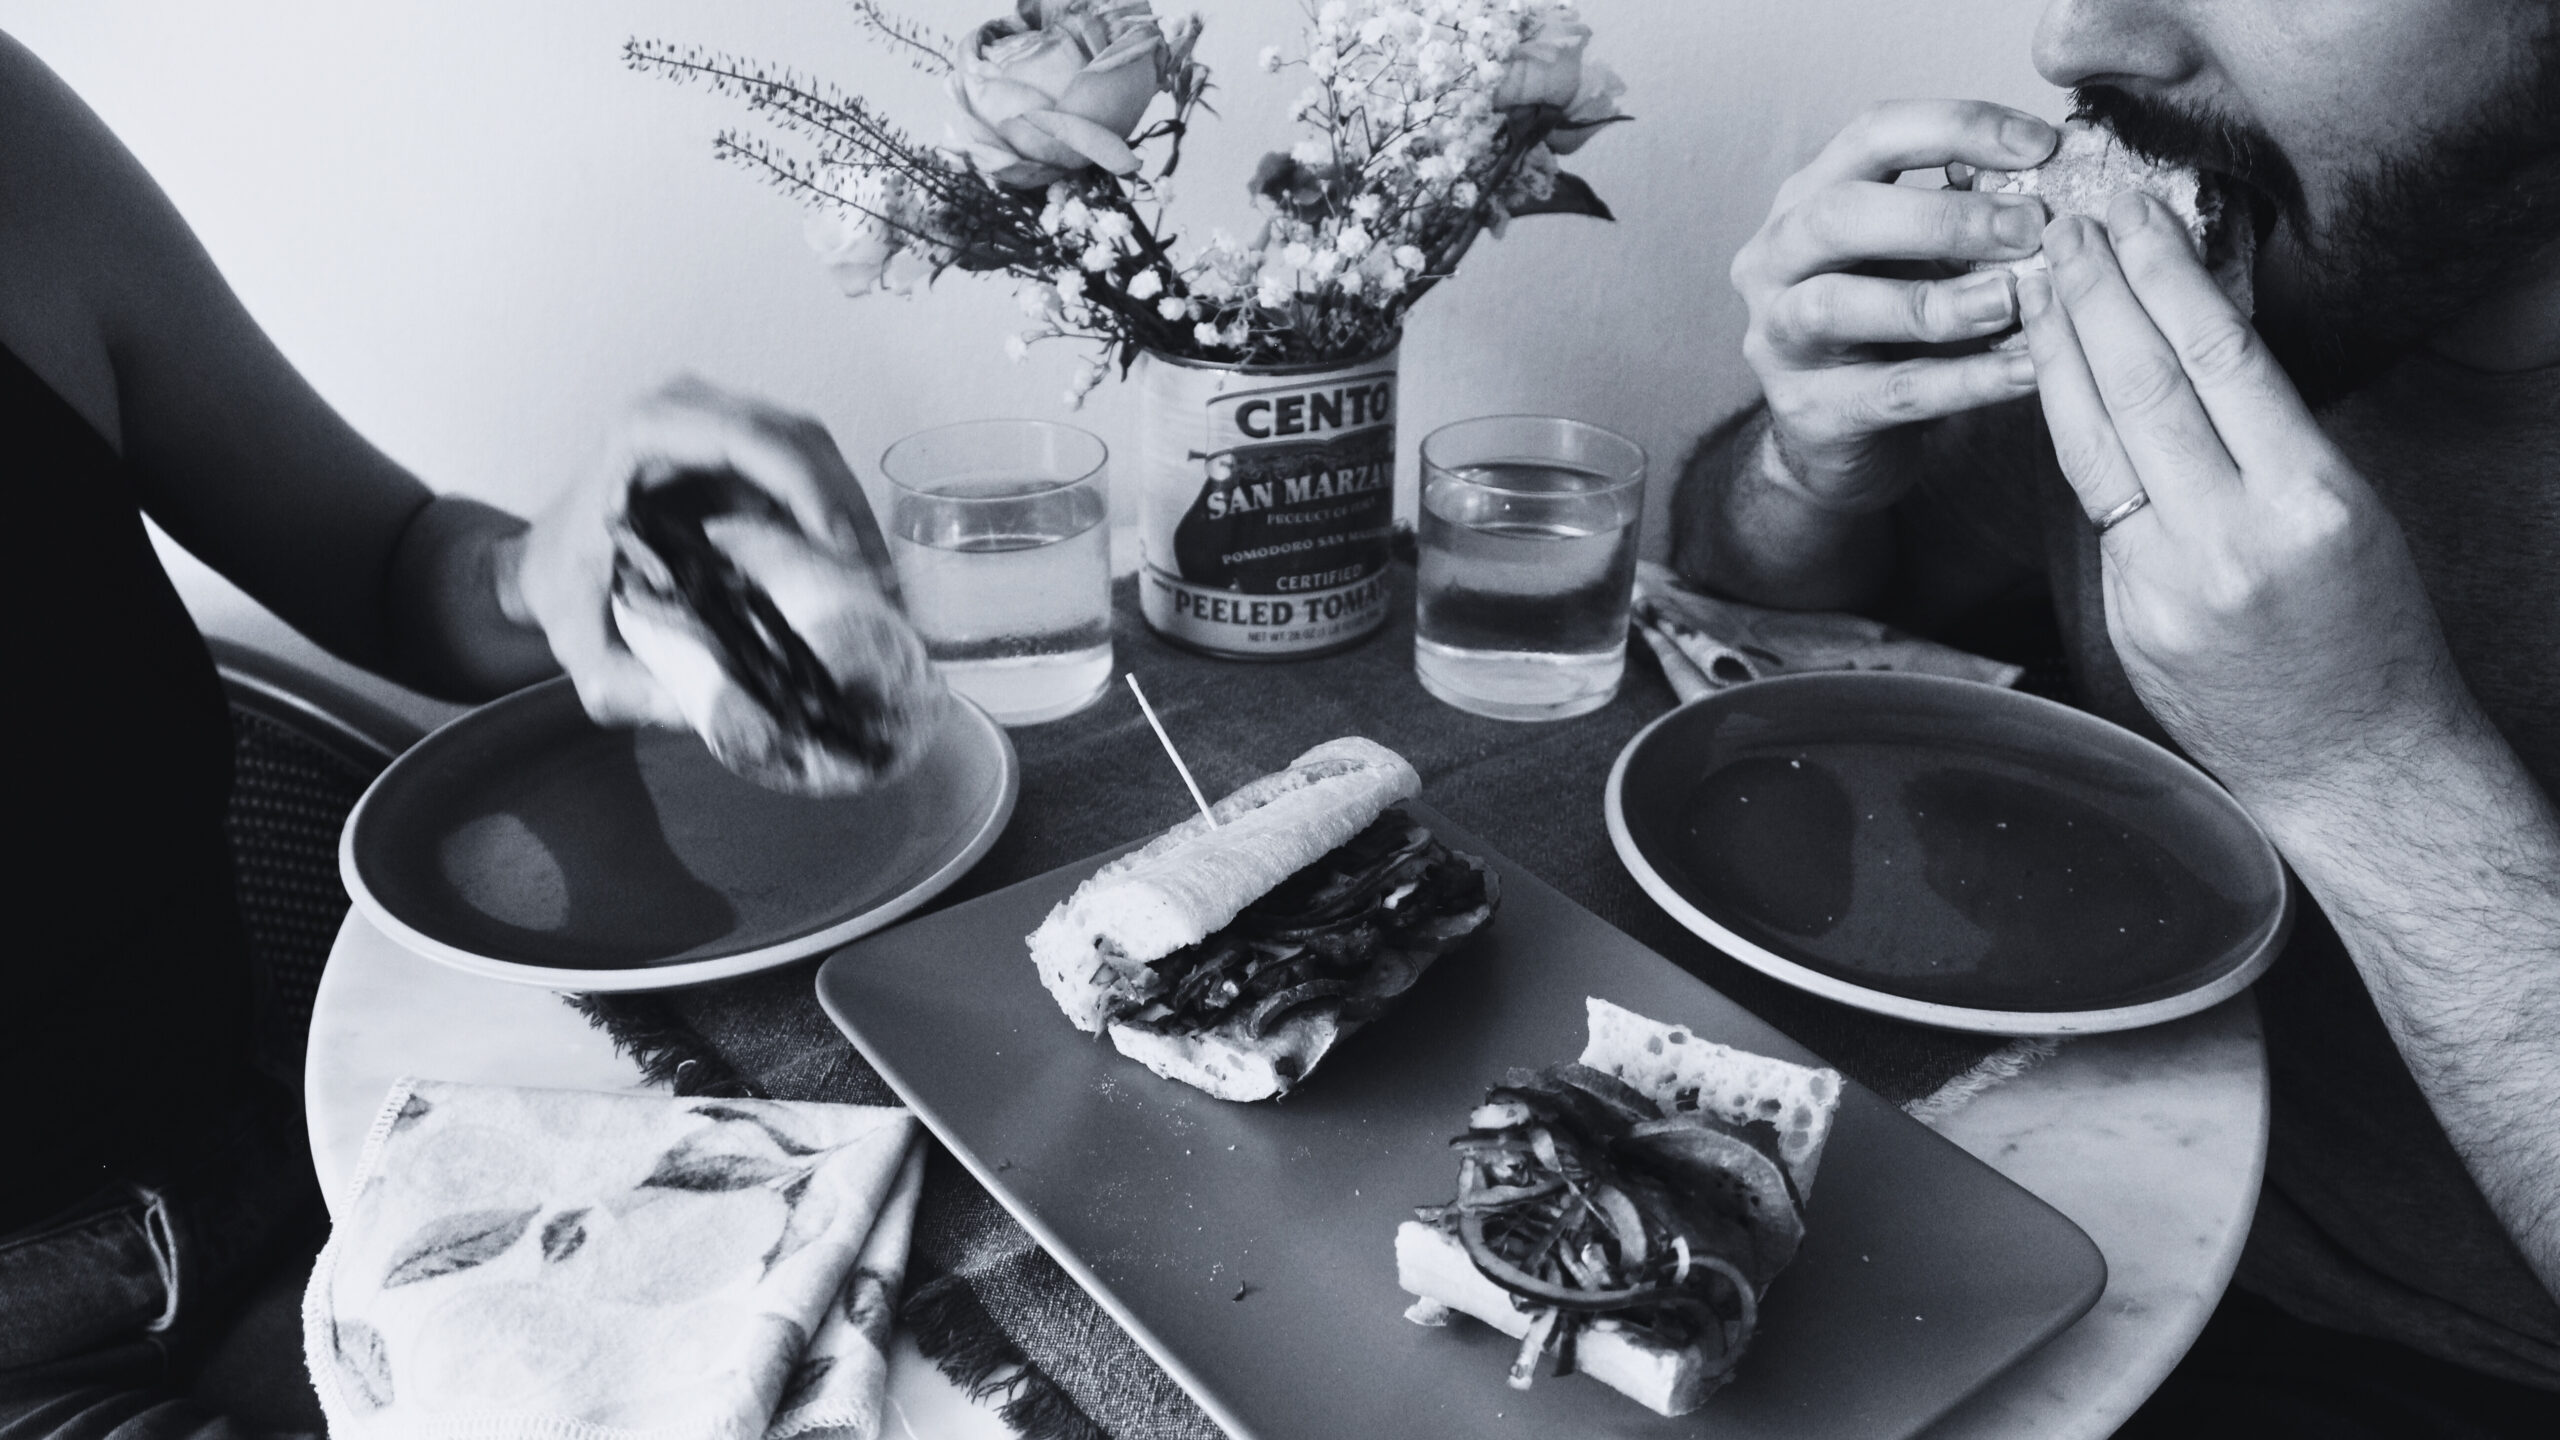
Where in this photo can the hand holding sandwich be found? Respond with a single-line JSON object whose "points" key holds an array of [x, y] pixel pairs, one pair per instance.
{"points": [[2266, 607], [565, 578], [1837, 293], [720, 570], [2262, 599]]}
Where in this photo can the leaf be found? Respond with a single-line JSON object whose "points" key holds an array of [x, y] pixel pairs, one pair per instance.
{"points": [[457, 1242], [690, 1166], [1573, 195], [362, 1362], [771, 1125], [868, 1303], [563, 1234], [804, 1381], [803, 1224]]}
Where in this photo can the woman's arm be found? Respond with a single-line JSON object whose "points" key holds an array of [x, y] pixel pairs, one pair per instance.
{"points": [[106, 293]]}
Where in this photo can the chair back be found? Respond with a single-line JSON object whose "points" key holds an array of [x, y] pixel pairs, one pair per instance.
{"points": [[303, 750]]}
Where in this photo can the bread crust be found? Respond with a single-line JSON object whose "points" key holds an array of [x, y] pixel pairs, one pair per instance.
{"points": [[1094, 947]]}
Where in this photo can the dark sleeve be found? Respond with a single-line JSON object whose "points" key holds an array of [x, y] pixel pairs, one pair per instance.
{"points": [[1968, 543]]}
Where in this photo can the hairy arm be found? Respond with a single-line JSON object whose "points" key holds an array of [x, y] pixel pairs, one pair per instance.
{"points": [[2268, 611], [1743, 526], [108, 295], [2437, 857]]}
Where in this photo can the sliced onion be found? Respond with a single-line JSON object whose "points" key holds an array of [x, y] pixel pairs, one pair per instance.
{"points": [[1272, 1008], [1545, 1292], [1625, 1222], [1525, 1367]]}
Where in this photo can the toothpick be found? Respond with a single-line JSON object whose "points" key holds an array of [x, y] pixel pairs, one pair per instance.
{"points": [[1175, 755]]}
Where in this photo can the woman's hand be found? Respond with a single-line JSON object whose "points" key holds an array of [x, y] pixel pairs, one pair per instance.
{"points": [[562, 580], [2263, 601]]}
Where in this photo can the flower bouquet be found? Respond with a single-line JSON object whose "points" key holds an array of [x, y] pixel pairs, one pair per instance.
{"points": [[1267, 443], [1427, 123]]}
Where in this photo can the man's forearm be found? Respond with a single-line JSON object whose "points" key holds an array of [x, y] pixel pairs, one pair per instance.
{"points": [[2437, 857], [1742, 526]]}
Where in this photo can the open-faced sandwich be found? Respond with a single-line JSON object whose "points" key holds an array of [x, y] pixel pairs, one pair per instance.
{"points": [[2090, 167], [1626, 1212], [1232, 956], [787, 658]]}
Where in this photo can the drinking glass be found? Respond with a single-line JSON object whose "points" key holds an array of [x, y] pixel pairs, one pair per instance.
{"points": [[1528, 560], [997, 527]]}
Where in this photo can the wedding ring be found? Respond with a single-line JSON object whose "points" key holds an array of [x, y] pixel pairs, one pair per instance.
{"points": [[2121, 513]]}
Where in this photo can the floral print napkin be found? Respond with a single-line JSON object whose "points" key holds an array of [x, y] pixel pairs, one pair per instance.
{"points": [[576, 1266]]}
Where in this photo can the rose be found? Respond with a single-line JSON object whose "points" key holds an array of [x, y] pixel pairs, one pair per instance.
{"points": [[854, 248], [1059, 87], [1546, 68], [875, 244], [1594, 106]]}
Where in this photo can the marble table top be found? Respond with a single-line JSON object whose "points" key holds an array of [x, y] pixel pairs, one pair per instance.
{"points": [[2152, 1141]]}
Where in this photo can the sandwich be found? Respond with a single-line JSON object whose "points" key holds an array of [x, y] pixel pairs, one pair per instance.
{"points": [[787, 658], [1234, 956], [1625, 1213], [2090, 167]]}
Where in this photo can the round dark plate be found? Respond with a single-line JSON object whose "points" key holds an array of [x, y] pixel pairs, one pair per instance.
{"points": [[1949, 853], [523, 842]]}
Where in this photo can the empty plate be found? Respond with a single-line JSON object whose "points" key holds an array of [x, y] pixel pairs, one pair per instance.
{"points": [[1949, 853], [522, 841]]}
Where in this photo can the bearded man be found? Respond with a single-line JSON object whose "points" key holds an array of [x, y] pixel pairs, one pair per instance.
{"points": [[2321, 555]]}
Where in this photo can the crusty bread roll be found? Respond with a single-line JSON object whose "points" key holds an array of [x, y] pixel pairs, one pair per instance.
{"points": [[1097, 950], [2090, 167], [1189, 882], [1686, 1075]]}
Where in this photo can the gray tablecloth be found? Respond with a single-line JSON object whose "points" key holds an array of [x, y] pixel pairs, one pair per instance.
{"points": [[983, 1296]]}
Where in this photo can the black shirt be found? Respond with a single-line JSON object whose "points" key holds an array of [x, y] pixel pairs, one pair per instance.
{"points": [[124, 991]]}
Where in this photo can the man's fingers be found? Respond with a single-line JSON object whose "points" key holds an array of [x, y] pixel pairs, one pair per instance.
{"points": [[2156, 416], [1857, 400], [1817, 318], [1901, 135], [1852, 223], [2254, 408], [2084, 438]]}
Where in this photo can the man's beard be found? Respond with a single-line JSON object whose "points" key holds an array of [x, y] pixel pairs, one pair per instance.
{"points": [[2418, 240]]}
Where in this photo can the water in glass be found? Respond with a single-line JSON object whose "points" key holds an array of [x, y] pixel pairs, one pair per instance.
{"points": [[1013, 598], [1526, 569]]}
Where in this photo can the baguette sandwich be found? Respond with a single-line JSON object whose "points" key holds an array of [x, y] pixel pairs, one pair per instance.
{"points": [[1625, 1213], [787, 659], [1234, 956], [2091, 167]]}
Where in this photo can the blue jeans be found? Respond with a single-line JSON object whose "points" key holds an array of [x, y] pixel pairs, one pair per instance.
{"points": [[113, 1313]]}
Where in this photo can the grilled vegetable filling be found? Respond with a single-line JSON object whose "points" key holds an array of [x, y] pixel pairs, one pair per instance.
{"points": [[1346, 931], [756, 644], [1593, 1208]]}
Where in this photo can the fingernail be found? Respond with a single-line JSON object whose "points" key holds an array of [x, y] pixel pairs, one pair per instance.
{"points": [[2063, 239], [2020, 369], [2019, 223], [2026, 137], [1984, 299], [2128, 212], [2035, 293]]}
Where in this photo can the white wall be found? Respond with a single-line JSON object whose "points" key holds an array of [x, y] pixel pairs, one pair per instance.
{"points": [[477, 233]]}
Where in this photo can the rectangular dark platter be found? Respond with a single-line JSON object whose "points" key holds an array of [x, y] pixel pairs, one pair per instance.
{"points": [[1924, 1272]]}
